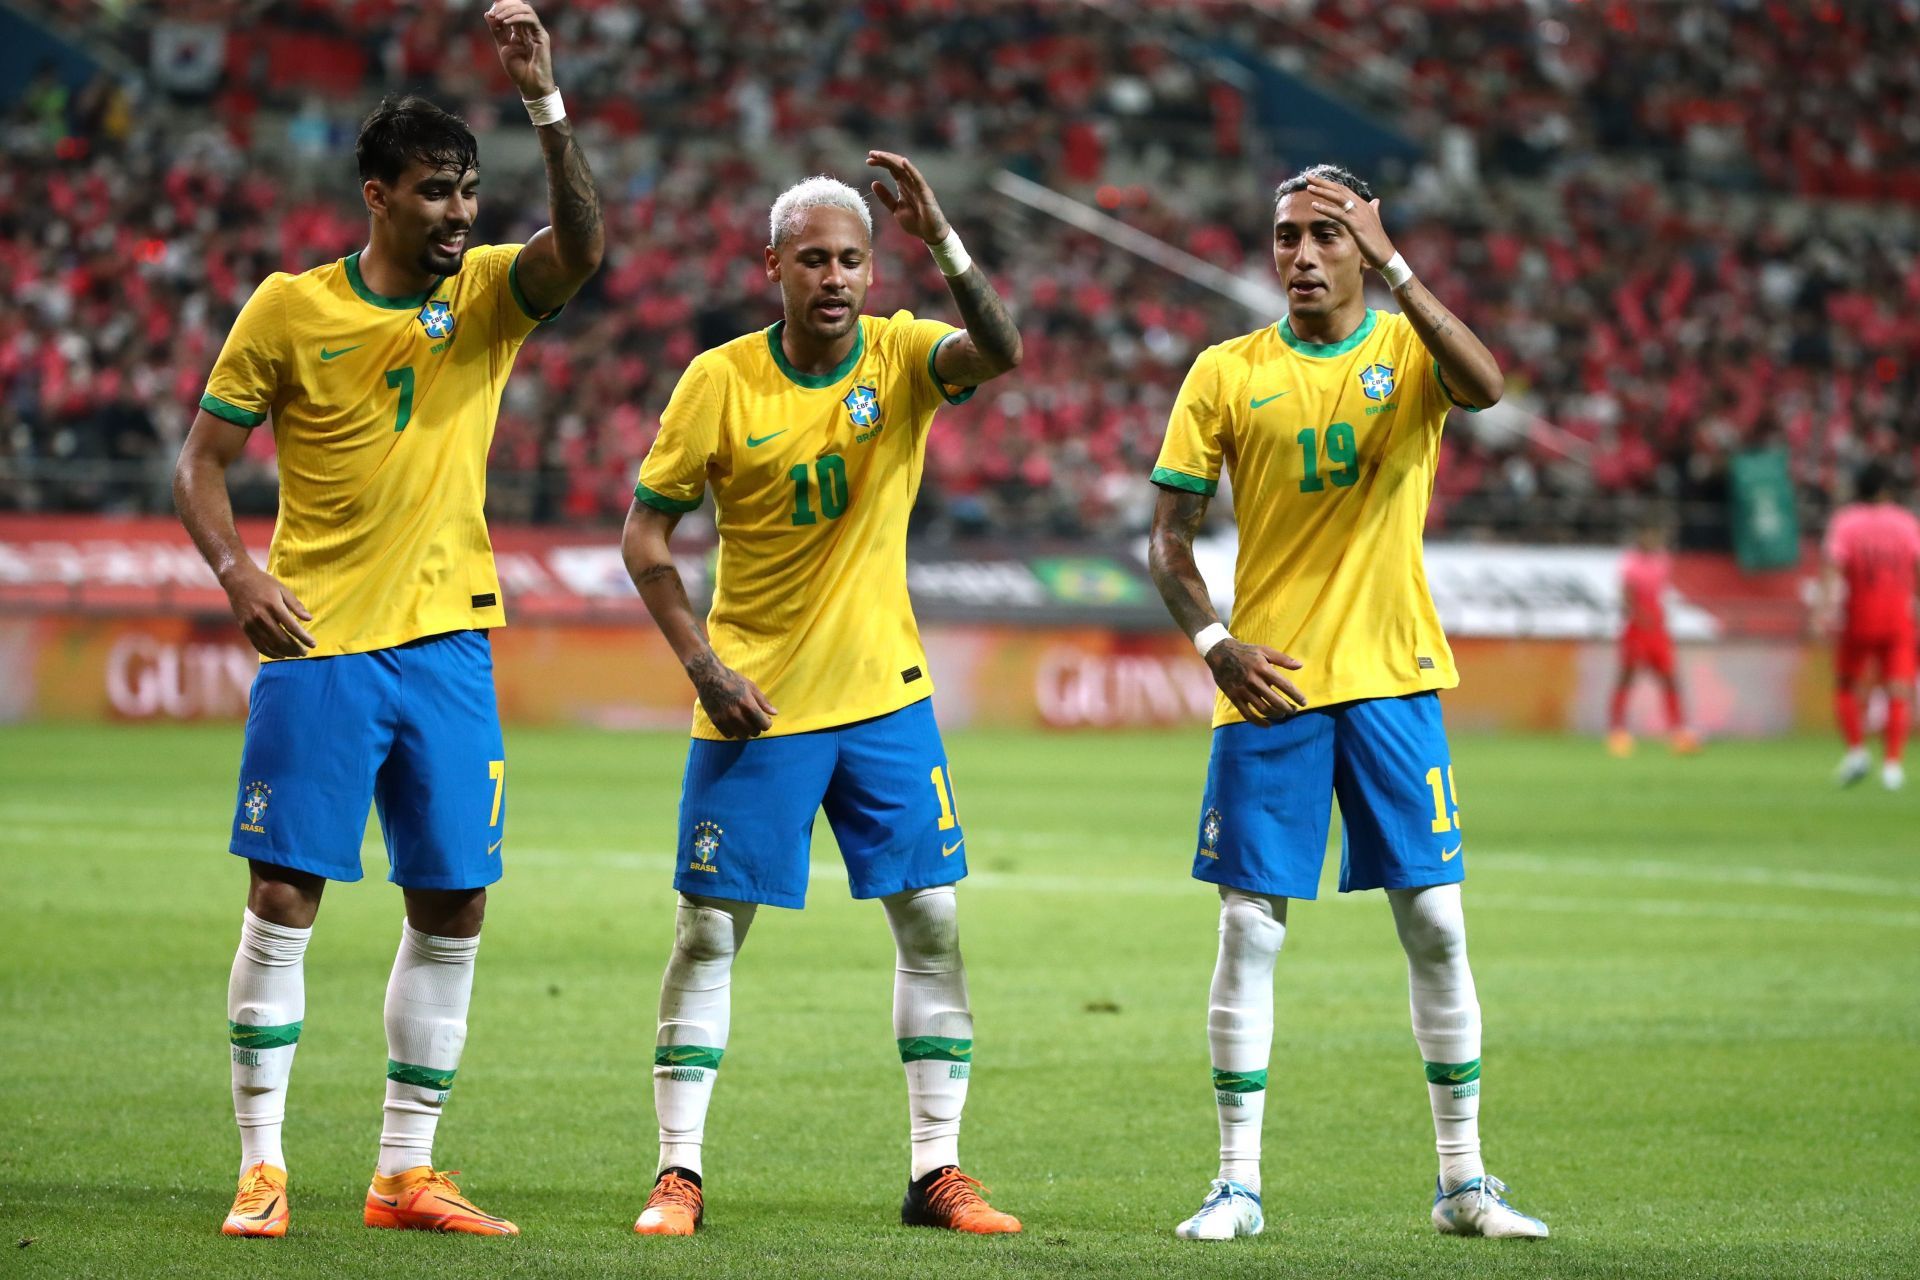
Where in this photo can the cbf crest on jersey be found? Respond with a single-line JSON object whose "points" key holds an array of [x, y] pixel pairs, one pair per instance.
{"points": [[1210, 834], [437, 319], [863, 406], [706, 847], [1377, 381]]}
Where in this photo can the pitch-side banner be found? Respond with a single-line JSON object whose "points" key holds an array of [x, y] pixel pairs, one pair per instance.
{"points": [[90, 564]]}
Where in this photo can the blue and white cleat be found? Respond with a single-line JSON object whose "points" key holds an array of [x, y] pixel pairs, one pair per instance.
{"points": [[1478, 1207], [1229, 1210]]}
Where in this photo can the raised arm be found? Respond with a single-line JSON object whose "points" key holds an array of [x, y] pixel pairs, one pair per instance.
{"points": [[561, 257], [734, 703], [267, 611], [989, 342], [1249, 674], [1471, 374]]}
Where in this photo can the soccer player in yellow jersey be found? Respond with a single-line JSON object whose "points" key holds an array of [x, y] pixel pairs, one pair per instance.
{"points": [[1329, 424], [813, 687], [381, 374]]}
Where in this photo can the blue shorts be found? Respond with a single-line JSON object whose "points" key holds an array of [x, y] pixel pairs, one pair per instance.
{"points": [[747, 810], [413, 730], [1263, 824]]}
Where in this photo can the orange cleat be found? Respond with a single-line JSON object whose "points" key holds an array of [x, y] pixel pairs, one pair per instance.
{"points": [[1685, 742], [949, 1199], [1619, 744], [425, 1199], [260, 1206], [676, 1207]]}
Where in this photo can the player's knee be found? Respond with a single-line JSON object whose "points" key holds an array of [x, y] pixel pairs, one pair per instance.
{"points": [[1433, 931], [1252, 923], [292, 904], [709, 931], [926, 926]]}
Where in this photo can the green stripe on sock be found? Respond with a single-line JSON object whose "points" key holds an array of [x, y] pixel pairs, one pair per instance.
{"points": [[245, 1037], [935, 1049], [422, 1077], [688, 1055], [1453, 1072], [1239, 1081]]}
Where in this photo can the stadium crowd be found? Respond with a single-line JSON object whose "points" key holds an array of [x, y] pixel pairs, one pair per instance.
{"points": [[1660, 331]]}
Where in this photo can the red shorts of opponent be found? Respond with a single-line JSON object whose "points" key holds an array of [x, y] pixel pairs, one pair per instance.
{"points": [[1645, 647], [1893, 656]]}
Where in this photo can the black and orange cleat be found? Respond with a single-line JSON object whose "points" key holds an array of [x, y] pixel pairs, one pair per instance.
{"points": [[260, 1205], [425, 1199], [949, 1199], [676, 1207]]}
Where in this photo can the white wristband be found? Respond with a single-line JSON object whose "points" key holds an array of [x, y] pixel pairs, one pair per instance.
{"points": [[1210, 635], [547, 110], [950, 255], [1396, 272]]}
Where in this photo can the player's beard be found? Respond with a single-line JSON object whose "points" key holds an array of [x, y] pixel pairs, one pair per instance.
{"points": [[435, 263]]}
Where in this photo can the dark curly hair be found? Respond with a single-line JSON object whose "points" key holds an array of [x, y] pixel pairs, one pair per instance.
{"points": [[401, 131], [1330, 172]]}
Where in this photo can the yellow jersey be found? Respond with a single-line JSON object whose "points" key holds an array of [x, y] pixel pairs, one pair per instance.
{"points": [[383, 411], [813, 479], [1332, 450]]}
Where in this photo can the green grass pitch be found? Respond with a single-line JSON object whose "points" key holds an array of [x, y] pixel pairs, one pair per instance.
{"points": [[1701, 982]]}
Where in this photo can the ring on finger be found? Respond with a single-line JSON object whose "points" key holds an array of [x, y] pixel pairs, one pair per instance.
{"points": [[1348, 206]]}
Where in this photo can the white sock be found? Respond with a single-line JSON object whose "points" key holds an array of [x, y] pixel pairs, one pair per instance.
{"points": [[427, 999], [1240, 1025], [695, 1011], [266, 1001], [1446, 1021], [931, 1021]]}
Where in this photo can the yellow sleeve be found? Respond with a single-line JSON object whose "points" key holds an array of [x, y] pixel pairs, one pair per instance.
{"points": [[247, 376], [673, 475], [921, 340], [497, 285], [1197, 431]]}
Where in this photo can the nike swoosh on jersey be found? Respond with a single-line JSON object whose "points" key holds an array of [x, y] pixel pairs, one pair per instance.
{"points": [[328, 355], [1453, 853], [754, 442], [1270, 399], [496, 844], [948, 850]]}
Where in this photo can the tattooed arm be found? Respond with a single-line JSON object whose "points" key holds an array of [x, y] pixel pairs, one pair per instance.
{"points": [[560, 258], [1471, 374], [734, 703], [989, 343], [1249, 674]]}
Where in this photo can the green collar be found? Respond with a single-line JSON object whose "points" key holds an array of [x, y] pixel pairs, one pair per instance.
{"points": [[359, 283], [815, 382], [1324, 349]]}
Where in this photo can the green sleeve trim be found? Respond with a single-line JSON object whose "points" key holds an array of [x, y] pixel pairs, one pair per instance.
{"points": [[245, 1037], [520, 299], [1453, 1072], [939, 383], [420, 1077], [661, 502], [1168, 478], [935, 1049], [688, 1055], [1239, 1081], [233, 413], [1451, 398]]}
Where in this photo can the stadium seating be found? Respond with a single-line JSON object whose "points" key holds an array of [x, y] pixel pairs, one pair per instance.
{"points": [[1650, 330]]}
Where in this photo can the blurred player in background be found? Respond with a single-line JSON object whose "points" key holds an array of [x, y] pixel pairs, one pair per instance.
{"points": [[1329, 423], [814, 688], [382, 373], [1866, 602], [1646, 572]]}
